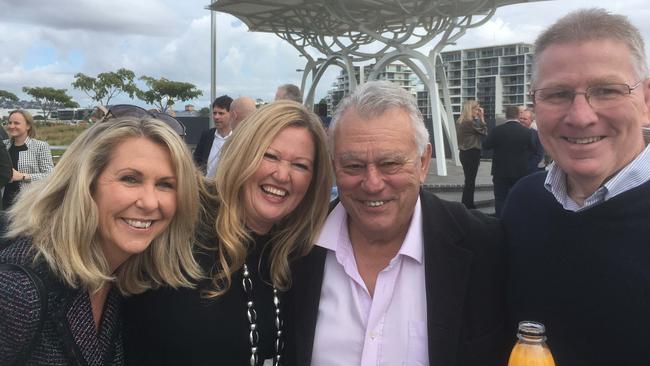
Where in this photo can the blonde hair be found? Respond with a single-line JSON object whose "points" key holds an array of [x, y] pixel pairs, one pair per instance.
{"points": [[295, 234], [28, 119], [61, 216], [467, 114]]}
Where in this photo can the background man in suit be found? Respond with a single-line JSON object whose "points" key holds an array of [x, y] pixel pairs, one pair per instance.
{"points": [[512, 144], [578, 235], [206, 154], [398, 276], [536, 157]]}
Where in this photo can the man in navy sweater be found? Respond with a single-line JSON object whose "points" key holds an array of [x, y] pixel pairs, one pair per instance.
{"points": [[578, 235]]}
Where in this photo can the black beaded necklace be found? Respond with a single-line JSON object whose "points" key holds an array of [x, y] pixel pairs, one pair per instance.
{"points": [[253, 335]]}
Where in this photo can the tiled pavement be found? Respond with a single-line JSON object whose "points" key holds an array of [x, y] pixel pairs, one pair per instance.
{"points": [[450, 187]]}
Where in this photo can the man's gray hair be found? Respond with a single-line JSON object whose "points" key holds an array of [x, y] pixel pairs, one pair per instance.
{"points": [[373, 99], [290, 92], [594, 24]]}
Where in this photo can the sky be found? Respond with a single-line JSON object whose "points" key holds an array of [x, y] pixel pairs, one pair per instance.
{"points": [[44, 43]]}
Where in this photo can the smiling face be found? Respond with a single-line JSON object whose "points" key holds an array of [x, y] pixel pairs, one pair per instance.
{"points": [[591, 144], [378, 172], [17, 126], [135, 197], [281, 180]]}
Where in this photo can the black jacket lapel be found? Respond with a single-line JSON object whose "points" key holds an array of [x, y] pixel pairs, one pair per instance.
{"points": [[307, 283], [447, 270]]}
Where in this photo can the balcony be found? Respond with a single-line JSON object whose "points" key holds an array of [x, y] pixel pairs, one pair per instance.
{"points": [[488, 72], [506, 62], [488, 63]]}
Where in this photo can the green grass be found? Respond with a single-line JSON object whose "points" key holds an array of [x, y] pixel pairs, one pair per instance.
{"points": [[56, 154], [59, 134]]}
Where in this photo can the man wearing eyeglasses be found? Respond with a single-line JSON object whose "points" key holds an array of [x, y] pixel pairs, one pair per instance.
{"points": [[578, 235]]}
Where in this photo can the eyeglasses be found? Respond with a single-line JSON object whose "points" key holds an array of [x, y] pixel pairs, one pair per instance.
{"points": [[102, 114], [598, 96]]}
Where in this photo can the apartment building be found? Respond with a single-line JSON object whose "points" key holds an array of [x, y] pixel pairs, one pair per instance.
{"points": [[395, 72], [496, 76]]}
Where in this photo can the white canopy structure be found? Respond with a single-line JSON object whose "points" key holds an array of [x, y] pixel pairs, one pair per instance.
{"points": [[349, 32]]}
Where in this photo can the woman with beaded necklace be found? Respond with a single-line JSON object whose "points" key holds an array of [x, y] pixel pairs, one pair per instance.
{"points": [[271, 198]]}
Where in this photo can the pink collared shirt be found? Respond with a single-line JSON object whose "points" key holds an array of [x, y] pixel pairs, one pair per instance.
{"points": [[354, 328]]}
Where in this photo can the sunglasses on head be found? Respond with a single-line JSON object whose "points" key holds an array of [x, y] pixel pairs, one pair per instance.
{"points": [[102, 114]]}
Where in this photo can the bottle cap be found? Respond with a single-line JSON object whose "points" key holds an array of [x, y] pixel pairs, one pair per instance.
{"points": [[531, 328]]}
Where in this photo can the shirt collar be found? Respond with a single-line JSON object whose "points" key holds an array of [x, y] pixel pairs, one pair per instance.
{"points": [[218, 136], [335, 237], [633, 175]]}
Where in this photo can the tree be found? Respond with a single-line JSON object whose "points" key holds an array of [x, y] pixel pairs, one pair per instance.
{"points": [[6, 96], [205, 112], [50, 99], [164, 93], [106, 85]]}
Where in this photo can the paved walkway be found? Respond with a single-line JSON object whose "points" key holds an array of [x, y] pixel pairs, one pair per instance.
{"points": [[450, 187], [455, 176]]}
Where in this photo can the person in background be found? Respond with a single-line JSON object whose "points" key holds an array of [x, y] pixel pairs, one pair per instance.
{"points": [[579, 257], [271, 198], [6, 170], [31, 158], [289, 92], [3, 134], [536, 156], [206, 154], [470, 128], [115, 218], [240, 109], [512, 144]]}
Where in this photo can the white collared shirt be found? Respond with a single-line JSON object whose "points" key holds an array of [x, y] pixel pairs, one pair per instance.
{"points": [[633, 175], [354, 328], [213, 158]]}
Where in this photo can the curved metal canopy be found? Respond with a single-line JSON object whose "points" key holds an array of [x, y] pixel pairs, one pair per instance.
{"points": [[338, 17], [349, 32]]}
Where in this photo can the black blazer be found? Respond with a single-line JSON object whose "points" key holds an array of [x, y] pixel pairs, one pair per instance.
{"points": [[202, 150], [6, 168], [465, 266], [512, 144]]}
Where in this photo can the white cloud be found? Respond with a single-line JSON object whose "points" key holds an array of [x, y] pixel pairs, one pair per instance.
{"points": [[169, 38], [149, 17]]}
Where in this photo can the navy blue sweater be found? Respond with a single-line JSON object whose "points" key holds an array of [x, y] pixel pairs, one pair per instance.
{"points": [[585, 275]]}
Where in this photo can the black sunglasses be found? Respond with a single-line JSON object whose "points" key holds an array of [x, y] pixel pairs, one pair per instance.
{"points": [[101, 114]]}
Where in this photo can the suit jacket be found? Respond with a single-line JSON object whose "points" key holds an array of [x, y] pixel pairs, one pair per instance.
{"points": [[465, 266], [6, 168], [202, 150], [512, 144], [538, 152]]}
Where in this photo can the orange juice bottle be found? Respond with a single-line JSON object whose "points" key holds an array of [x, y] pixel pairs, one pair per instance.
{"points": [[531, 348]]}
